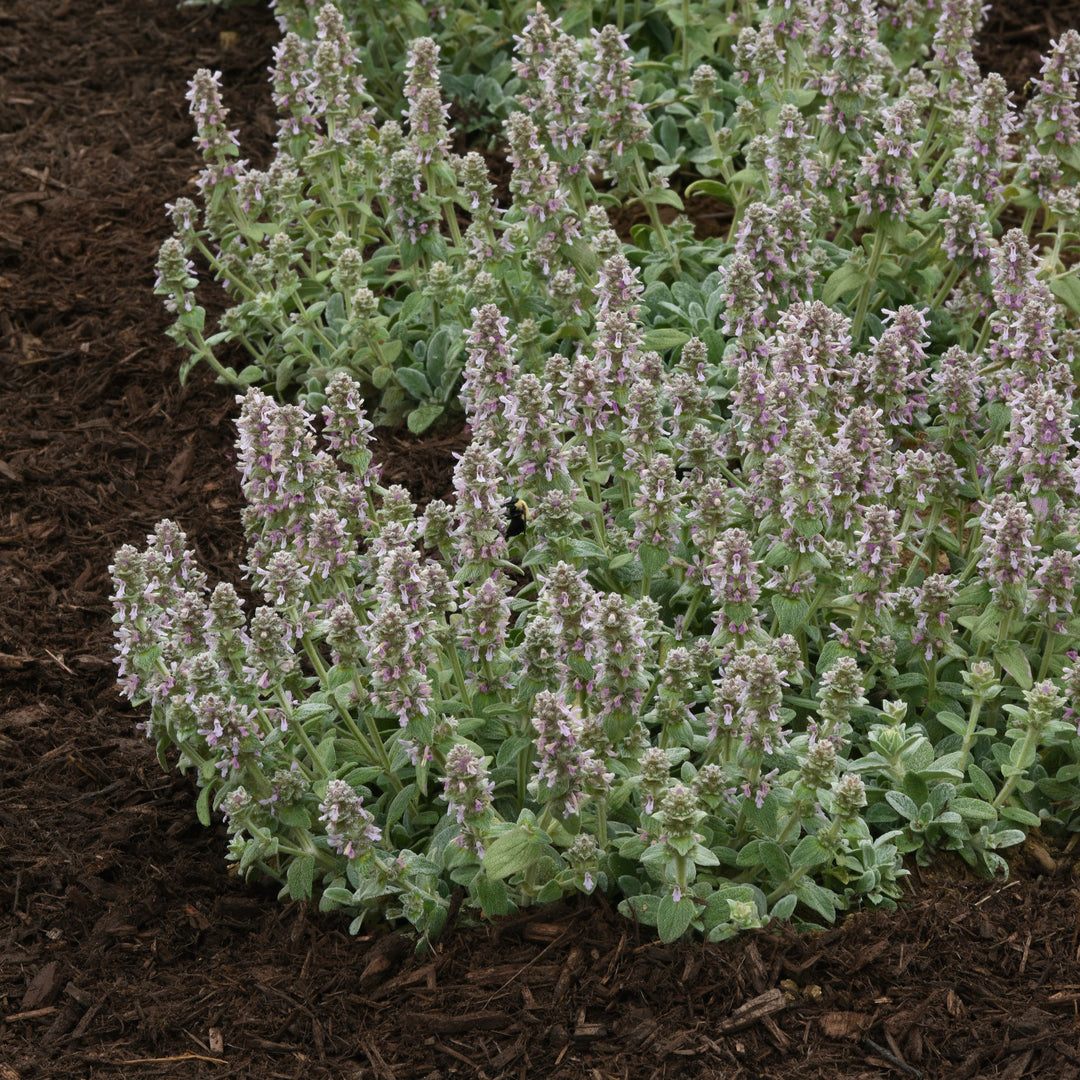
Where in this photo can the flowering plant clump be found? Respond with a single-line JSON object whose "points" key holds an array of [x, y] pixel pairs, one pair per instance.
{"points": [[364, 246], [762, 565]]}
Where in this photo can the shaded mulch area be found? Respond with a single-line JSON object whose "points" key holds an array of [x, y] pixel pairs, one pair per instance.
{"points": [[126, 949]]}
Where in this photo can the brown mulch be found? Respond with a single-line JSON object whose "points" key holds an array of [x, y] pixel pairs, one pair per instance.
{"points": [[126, 949]]}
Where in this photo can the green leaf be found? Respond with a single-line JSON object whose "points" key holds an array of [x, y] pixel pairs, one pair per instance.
{"points": [[784, 907], [981, 782], [414, 382], [335, 310], [412, 306], [641, 908], [492, 895], [809, 852], [973, 809], [903, 805], [585, 549], [420, 419], [284, 375], [817, 899], [202, 807], [951, 722], [295, 816], [663, 339], [843, 280], [673, 917], [1011, 657], [1067, 290], [251, 374], [400, 804], [653, 559], [195, 319], [663, 197], [801, 98], [1005, 838], [790, 614], [710, 187], [301, 872], [327, 752], [509, 854], [774, 859], [1020, 816], [334, 896]]}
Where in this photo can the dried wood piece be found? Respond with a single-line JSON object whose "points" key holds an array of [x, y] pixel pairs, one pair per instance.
{"points": [[445, 1024], [575, 960], [772, 1001], [43, 989], [541, 931], [406, 978]]}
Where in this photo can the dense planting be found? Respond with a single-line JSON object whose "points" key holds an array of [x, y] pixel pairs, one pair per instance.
{"points": [[761, 569]]}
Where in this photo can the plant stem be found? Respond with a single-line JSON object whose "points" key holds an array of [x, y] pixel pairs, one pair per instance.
{"points": [[876, 253]]}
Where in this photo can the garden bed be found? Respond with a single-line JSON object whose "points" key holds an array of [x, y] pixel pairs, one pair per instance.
{"points": [[127, 949]]}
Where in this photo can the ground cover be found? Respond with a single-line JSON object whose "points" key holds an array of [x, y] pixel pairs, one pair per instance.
{"points": [[127, 950]]}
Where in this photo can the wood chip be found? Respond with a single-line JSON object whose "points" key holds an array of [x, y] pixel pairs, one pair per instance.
{"points": [[772, 1001]]}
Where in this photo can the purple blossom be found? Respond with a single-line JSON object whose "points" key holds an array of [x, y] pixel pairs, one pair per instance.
{"points": [[618, 287], [229, 725], [620, 654], [467, 790], [406, 194], [1040, 445], [933, 628], [1007, 549], [346, 426], [744, 298], [748, 699], [977, 166], [566, 597], [270, 657], [895, 370], [924, 476], [485, 612], [588, 394], [400, 653], [1054, 104], [656, 517], [841, 691], [533, 445], [176, 278], [877, 556], [734, 581], [964, 229], [1053, 588], [791, 164], [884, 184], [622, 117], [616, 346], [213, 137], [480, 507], [957, 389], [490, 372], [559, 761], [350, 829], [564, 93], [955, 32]]}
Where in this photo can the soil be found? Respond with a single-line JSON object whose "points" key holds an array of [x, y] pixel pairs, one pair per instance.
{"points": [[126, 949]]}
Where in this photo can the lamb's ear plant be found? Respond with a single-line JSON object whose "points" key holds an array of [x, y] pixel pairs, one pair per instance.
{"points": [[364, 245], [761, 568]]}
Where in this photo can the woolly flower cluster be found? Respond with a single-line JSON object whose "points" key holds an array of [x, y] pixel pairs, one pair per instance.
{"points": [[760, 567]]}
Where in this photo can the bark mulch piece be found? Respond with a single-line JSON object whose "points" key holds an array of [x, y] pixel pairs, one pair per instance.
{"points": [[126, 949]]}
